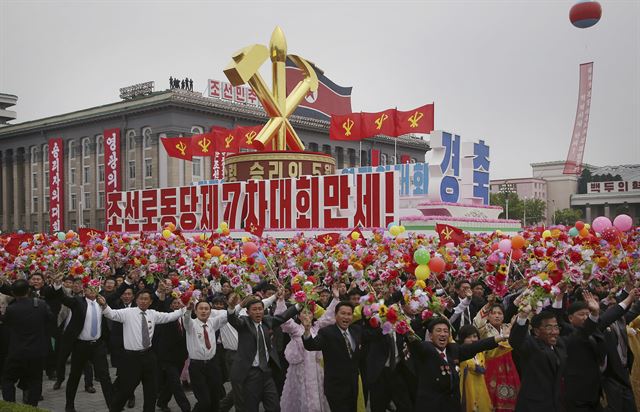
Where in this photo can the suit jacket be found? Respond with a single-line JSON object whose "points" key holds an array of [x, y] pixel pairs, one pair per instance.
{"points": [[340, 370], [26, 320], [78, 306], [379, 351], [615, 369], [248, 340], [439, 381], [542, 368], [170, 343]]}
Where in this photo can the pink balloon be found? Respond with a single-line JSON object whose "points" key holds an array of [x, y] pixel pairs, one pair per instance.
{"points": [[600, 224], [623, 222], [505, 245], [249, 248]]}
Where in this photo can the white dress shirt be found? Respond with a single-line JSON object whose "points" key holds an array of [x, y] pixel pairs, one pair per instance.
{"points": [[131, 319], [195, 334], [85, 334]]}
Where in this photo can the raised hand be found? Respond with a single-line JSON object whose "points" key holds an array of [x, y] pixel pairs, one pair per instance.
{"points": [[305, 318], [335, 289], [592, 302], [101, 301]]}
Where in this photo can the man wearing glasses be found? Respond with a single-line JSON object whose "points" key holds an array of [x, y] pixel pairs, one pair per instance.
{"points": [[542, 355]]}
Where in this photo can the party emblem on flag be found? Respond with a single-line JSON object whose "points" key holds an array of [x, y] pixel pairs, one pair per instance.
{"points": [[250, 136], [347, 125], [381, 120], [228, 140], [415, 118], [204, 144], [182, 148]]}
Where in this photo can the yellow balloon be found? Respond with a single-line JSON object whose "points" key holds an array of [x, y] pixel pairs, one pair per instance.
{"points": [[402, 229], [224, 225], [422, 272], [587, 226], [546, 234], [166, 234], [395, 230], [355, 236], [499, 232]]}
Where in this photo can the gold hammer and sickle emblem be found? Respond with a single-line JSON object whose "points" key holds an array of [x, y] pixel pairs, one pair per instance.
{"points": [[252, 228], [347, 126], [92, 233], [250, 136], [204, 144], [182, 148], [415, 118], [447, 233], [327, 239], [228, 140], [245, 69], [380, 120]]}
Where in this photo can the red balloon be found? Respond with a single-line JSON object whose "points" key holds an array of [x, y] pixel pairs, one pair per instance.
{"points": [[436, 264], [585, 14], [249, 248], [516, 254], [494, 246], [579, 225]]}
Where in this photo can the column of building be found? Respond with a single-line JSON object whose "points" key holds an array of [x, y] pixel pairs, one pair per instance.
{"points": [[18, 189], [27, 179], [6, 190]]}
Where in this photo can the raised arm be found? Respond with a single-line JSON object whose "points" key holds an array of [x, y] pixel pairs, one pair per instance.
{"points": [[164, 317], [311, 343], [329, 316], [468, 351]]}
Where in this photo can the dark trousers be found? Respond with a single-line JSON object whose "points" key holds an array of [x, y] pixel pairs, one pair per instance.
{"points": [[390, 386], [63, 349], [205, 382], [83, 353], [29, 372], [137, 367], [170, 385], [234, 397], [258, 386], [343, 404], [619, 396], [578, 406]]}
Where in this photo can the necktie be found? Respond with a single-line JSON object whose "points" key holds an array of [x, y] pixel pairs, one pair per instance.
{"points": [[348, 342], [443, 356], [392, 352], [94, 320], [207, 343], [146, 341], [262, 353]]}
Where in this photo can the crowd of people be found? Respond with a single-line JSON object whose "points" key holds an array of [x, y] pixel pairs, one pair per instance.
{"points": [[548, 321]]}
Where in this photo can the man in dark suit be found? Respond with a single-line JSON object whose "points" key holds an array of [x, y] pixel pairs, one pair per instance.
{"points": [[341, 350], [170, 345], [437, 361], [543, 355], [586, 354], [85, 331], [256, 355], [619, 357], [26, 321]]}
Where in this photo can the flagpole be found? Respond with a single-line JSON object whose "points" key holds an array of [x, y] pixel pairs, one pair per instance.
{"points": [[395, 145], [360, 153]]}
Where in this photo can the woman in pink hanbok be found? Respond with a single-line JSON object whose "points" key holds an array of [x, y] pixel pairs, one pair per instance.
{"points": [[303, 386]]}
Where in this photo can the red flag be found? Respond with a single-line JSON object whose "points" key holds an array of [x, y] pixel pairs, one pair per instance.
{"points": [[226, 140], [247, 136], [359, 235], [179, 147], [86, 234], [404, 159], [255, 228], [419, 120], [328, 239], [449, 234], [345, 127], [202, 144], [375, 157], [374, 124], [16, 240]]}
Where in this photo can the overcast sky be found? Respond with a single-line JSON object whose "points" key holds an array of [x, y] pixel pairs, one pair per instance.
{"points": [[503, 71]]}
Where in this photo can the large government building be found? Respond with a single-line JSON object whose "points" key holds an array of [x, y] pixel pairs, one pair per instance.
{"points": [[24, 167]]}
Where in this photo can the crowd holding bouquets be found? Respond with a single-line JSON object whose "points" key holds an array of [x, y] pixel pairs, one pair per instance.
{"points": [[399, 283]]}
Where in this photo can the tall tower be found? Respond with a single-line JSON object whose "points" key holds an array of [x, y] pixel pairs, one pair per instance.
{"points": [[7, 100]]}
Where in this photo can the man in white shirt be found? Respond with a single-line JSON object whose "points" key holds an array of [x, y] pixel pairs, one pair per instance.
{"points": [[204, 374], [138, 325]]}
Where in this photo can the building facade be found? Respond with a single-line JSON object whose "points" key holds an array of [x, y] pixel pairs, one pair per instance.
{"points": [[143, 121]]}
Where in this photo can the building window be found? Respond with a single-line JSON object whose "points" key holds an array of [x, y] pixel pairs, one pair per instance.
{"points": [[132, 169], [147, 140], [196, 167], [45, 206], [34, 226], [86, 147], [100, 144], [34, 205], [72, 176], [131, 142], [74, 201], [86, 174], [364, 159], [313, 147], [340, 157], [46, 178], [101, 224], [100, 173], [383, 159], [34, 155], [34, 180], [326, 149], [87, 200], [45, 154], [100, 200], [148, 167], [393, 160], [72, 149], [351, 156], [412, 160]]}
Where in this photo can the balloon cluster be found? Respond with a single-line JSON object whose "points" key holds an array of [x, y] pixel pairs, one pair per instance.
{"points": [[395, 229]]}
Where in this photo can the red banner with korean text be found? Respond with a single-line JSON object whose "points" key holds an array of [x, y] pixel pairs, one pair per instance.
{"points": [[320, 203], [56, 185], [112, 160], [573, 165]]}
